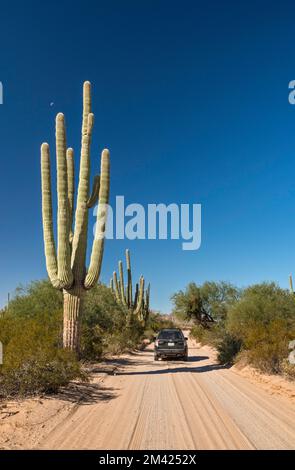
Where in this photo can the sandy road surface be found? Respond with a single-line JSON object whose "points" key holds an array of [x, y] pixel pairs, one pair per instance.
{"points": [[178, 405]]}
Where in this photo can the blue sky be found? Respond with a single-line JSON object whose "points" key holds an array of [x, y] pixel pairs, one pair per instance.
{"points": [[190, 97]]}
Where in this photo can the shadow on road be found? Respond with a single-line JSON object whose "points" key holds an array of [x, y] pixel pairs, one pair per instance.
{"points": [[186, 367], [86, 394], [197, 358], [208, 368], [125, 362]]}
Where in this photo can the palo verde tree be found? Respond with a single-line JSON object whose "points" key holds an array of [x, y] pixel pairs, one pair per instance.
{"points": [[205, 304], [139, 305], [66, 267]]}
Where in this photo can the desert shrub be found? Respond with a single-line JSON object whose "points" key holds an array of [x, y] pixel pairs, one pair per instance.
{"points": [[33, 361], [104, 325], [288, 369], [211, 335], [157, 321], [264, 321], [228, 348], [259, 320], [31, 332], [42, 372], [198, 333], [34, 299], [227, 345], [92, 346], [127, 339], [101, 316]]}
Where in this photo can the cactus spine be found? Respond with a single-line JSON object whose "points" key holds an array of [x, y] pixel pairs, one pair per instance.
{"points": [[66, 267], [139, 305]]}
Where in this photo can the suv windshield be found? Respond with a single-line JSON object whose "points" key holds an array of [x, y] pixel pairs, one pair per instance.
{"points": [[170, 335]]}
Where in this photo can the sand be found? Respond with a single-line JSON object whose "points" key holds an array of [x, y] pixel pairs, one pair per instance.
{"points": [[133, 402]]}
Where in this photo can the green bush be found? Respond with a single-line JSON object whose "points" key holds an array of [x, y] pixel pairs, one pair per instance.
{"points": [[155, 323], [104, 326], [33, 361], [259, 320], [264, 321], [198, 332], [35, 299], [40, 373], [127, 339], [228, 348], [288, 369], [216, 336], [31, 332]]}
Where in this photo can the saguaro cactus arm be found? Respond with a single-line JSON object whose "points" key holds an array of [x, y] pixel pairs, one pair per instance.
{"points": [[49, 243], [71, 188], [95, 192], [122, 287], [140, 295], [98, 242], [147, 297], [81, 219], [147, 303], [116, 287], [86, 106], [291, 284], [135, 295], [63, 249], [129, 280]]}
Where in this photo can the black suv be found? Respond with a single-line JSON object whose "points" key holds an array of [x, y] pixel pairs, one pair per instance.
{"points": [[170, 342]]}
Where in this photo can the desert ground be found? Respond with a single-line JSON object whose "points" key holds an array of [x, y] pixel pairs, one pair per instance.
{"points": [[133, 402]]}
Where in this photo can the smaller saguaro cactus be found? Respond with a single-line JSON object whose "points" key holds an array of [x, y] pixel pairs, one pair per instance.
{"points": [[137, 305], [291, 284]]}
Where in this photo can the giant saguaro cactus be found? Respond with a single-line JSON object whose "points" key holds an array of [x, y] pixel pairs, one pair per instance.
{"points": [[66, 267], [137, 305]]}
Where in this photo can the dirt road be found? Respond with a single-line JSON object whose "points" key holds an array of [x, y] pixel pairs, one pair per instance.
{"points": [[177, 405]]}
